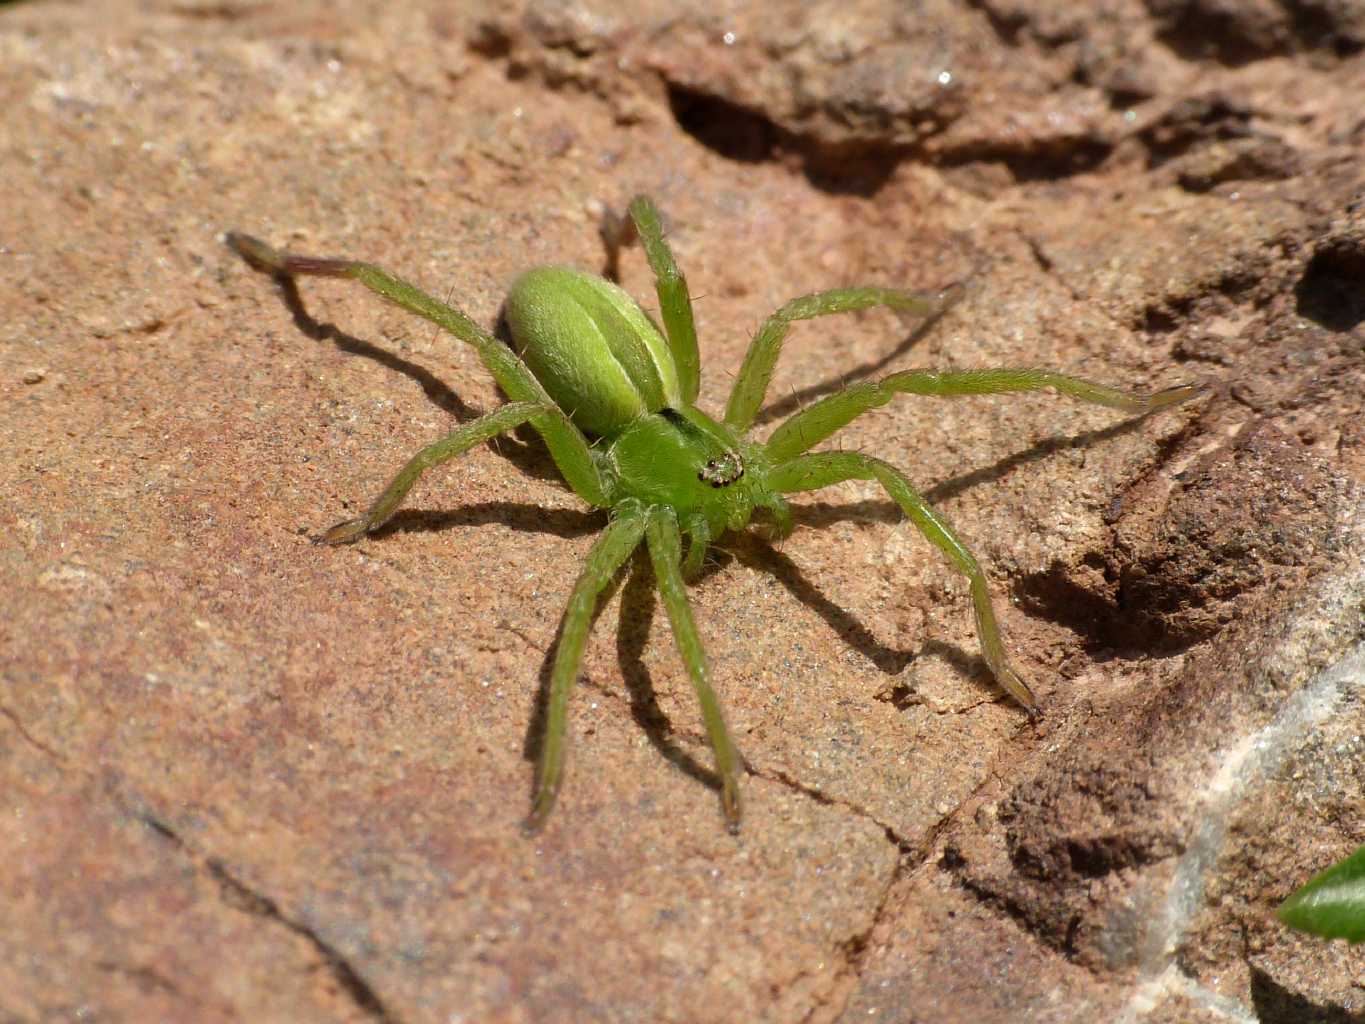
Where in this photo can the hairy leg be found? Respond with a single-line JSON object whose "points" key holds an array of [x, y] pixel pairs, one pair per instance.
{"points": [[820, 469], [675, 305], [457, 442], [812, 425], [751, 386], [781, 511], [665, 551], [613, 547], [698, 532], [566, 442]]}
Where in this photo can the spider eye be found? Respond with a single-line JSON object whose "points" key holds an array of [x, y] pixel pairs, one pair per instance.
{"points": [[722, 471]]}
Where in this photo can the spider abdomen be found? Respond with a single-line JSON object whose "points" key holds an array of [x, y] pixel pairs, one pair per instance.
{"points": [[592, 347]]}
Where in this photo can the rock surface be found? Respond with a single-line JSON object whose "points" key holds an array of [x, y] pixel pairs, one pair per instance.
{"points": [[248, 777]]}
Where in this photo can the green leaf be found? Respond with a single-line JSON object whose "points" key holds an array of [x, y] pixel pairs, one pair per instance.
{"points": [[1332, 904]]}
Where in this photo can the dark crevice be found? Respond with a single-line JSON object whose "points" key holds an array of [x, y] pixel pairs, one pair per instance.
{"points": [[1231, 35], [746, 136], [1196, 34], [1006, 26], [1073, 927], [1207, 117], [860, 167], [489, 39], [1103, 616], [723, 127], [239, 896], [1041, 163], [1330, 293], [1159, 321]]}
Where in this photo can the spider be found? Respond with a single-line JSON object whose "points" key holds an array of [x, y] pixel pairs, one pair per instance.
{"points": [[612, 393]]}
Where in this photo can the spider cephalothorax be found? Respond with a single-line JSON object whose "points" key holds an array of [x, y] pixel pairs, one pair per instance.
{"points": [[612, 395]]}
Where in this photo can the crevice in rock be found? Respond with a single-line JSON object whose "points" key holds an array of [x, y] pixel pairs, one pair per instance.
{"points": [[1041, 162], [854, 949], [1236, 35], [797, 786], [1330, 293], [746, 136], [240, 896], [29, 738], [1007, 26], [723, 127]]}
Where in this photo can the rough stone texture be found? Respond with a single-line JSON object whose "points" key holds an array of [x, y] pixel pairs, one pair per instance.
{"points": [[246, 777]]}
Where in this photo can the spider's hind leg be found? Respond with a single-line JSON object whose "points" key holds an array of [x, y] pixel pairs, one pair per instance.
{"points": [[568, 447]]}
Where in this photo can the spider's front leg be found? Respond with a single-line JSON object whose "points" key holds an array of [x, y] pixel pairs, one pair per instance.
{"points": [[756, 372], [820, 469], [665, 552], [613, 547], [832, 413]]}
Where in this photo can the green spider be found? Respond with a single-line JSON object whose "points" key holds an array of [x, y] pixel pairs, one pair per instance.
{"points": [[612, 395]]}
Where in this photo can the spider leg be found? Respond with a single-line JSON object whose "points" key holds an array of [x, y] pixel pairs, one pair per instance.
{"points": [[568, 447], [819, 469], [751, 386], [665, 551], [698, 532], [781, 512], [457, 442], [613, 547], [814, 424], [675, 304]]}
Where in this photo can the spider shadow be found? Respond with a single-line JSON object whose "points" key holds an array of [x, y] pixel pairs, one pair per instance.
{"points": [[760, 554], [1036, 452], [755, 552], [562, 522], [636, 619], [638, 607], [522, 448], [884, 510]]}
